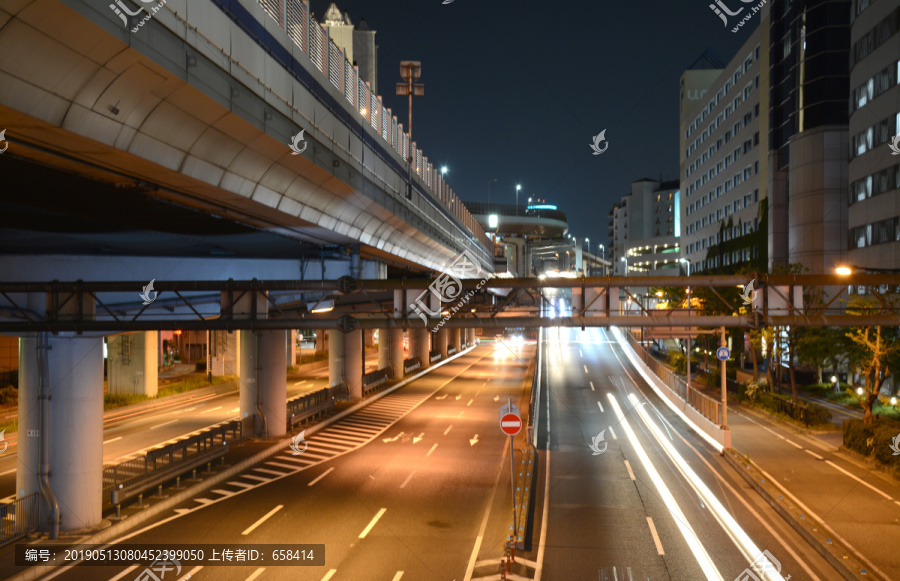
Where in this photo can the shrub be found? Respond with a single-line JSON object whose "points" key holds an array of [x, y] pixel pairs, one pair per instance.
{"points": [[755, 390], [200, 365], [9, 394], [874, 441]]}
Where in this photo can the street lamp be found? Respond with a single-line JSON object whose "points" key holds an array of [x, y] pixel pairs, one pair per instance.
{"points": [[410, 72], [518, 187], [625, 260], [443, 179], [490, 181], [687, 263]]}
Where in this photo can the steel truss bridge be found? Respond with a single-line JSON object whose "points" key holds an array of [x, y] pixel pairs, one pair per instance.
{"points": [[84, 306]]}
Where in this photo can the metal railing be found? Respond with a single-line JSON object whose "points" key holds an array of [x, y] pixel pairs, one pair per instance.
{"points": [[451, 351], [434, 356], [514, 210], [19, 517], [307, 406], [411, 364], [710, 408], [134, 476], [372, 381], [313, 40]]}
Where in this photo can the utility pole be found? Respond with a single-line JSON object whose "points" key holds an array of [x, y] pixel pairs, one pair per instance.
{"points": [[410, 71], [723, 343]]}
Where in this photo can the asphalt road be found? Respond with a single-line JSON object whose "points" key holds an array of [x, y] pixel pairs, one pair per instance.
{"points": [[608, 517], [394, 491]]}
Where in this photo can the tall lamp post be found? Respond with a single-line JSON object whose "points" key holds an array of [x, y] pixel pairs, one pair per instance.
{"points": [[443, 184], [410, 71], [687, 263], [490, 181], [518, 187]]}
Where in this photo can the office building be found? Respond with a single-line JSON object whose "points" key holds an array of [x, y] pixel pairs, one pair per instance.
{"points": [[646, 229], [357, 42]]}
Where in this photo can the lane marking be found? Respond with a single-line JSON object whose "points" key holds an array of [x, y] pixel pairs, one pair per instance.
{"points": [[601, 407], [631, 473], [191, 573], [255, 574], [448, 429], [470, 402], [585, 368], [267, 516], [430, 451], [798, 446], [580, 353], [470, 568], [656, 541], [321, 476], [301, 382], [372, 524], [329, 575], [212, 410], [113, 440], [165, 424], [813, 454], [613, 432], [863, 482], [397, 576], [408, 478], [592, 386]]}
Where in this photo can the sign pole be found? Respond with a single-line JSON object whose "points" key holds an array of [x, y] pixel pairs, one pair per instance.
{"points": [[723, 343], [512, 482]]}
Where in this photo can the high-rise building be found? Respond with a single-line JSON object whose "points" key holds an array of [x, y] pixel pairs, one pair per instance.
{"points": [[874, 173], [723, 183], [646, 228], [809, 47], [357, 42]]}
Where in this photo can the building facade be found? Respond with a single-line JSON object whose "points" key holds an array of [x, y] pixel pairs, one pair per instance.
{"points": [[646, 229], [874, 171], [723, 171], [357, 42]]}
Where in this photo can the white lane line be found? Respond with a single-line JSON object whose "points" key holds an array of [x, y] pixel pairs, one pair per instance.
{"points": [[255, 574], [430, 451], [470, 402], [601, 407], [267, 471], [863, 482], [235, 410], [631, 473], [267, 516], [329, 575], [212, 410], [613, 432], [191, 573], [461, 413], [7, 472], [397, 576], [408, 478], [113, 440], [580, 353], [798, 446], [279, 465], [257, 478], [585, 368], [190, 409], [165, 424], [470, 568], [448, 429], [300, 382], [813, 454], [656, 541], [125, 572], [372, 524], [592, 386], [321, 476]]}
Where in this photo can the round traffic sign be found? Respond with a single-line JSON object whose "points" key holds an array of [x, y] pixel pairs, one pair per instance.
{"points": [[511, 424], [722, 353]]}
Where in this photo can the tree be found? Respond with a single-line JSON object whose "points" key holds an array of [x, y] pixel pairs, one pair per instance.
{"points": [[755, 336], [875, 348], [821, 347]]}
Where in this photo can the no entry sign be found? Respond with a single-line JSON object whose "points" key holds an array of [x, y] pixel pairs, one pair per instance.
{"points": [[511, 424]]}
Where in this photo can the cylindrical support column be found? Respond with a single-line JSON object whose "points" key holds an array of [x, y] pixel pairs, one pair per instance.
{"points": [[384, 348], [249, 373], [133, 363], [419, 345], [74, 384], [353, 362], [442, 338], [273, 380], [290, 348], [335, 357], [396, 351], [454, 339], [321, 341]]}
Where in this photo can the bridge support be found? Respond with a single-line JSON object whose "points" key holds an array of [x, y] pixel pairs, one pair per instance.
{"points": [[384, 348], [321, 341], [396, 350], [345, 360], [291, 347], [225, 353], [455, 339], [74, 427], [133, 363], [419, 345], [442, 339]]}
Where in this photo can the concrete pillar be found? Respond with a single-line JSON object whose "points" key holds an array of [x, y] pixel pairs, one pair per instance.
{"points": [[384, 348], [133, 363], [291, 347], [369, 337], [75, 427], [419, 345], [225, 353], [396, 339], [442, 338], [321, 341], [353, 361], [454, 339], [248, 355], [335, 357], [272, 391]]}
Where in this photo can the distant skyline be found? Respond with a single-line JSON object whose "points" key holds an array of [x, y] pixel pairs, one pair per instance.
{"points": [[518, 93]]}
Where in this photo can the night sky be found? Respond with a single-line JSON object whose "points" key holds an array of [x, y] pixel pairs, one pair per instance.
{"points": [[517, 90]]}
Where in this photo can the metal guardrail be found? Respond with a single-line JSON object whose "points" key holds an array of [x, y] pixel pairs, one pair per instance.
{"points": [[130, 478], [451, 351], [372, 381], [710, 408], [412, 364], [19, 517], [308, 406], [432, 357]]}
